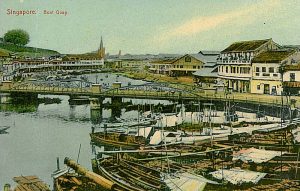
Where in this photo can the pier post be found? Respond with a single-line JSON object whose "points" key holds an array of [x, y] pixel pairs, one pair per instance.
{"points": [[116, 107], [96, 103], [96, 109], [96, 88]]}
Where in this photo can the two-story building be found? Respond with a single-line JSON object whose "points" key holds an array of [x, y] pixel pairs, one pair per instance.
{"points": [[187, 64], [291, 79], [266, 74], [161, 66], [234, 63]]}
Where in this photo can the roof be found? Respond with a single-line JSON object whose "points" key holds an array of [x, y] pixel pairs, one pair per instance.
{"points": [[164, 136], [275, 56], [163, 61], [209, 52], [243, 46], [206, 72], [145, 132], [205, 58], [238, 176], [255, 155], [187, 182], [87, 56]]}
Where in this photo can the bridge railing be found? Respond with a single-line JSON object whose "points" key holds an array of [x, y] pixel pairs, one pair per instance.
{"points": [[188, 93], [28, 87]]}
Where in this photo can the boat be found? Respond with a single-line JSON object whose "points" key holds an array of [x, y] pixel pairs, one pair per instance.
{"points": [[130, 175], [117, 139]]}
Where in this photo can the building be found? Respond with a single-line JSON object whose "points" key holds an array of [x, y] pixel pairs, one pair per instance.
{"points": [[266, 74], [207, 76], [291, 79], [184, 65], [161, 66], [57, 62], [234, 63]]}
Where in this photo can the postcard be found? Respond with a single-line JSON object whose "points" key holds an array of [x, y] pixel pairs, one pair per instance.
{"points": [[140, 95]]}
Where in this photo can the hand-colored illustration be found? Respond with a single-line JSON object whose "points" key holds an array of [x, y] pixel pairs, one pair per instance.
{"points": [[140, 95]]}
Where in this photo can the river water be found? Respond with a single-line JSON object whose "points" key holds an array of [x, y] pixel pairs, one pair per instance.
{"points": [[47, 131], [39, 133]]}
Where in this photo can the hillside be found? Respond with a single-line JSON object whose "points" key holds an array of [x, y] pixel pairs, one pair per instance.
{"points": [[27, 51]]}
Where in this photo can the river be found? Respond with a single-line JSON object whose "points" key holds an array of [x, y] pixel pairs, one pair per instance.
{"points": [[39, 133], [47, 131]]}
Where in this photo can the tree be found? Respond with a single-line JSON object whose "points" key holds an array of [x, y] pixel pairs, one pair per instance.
{"points": [[17, 37]]}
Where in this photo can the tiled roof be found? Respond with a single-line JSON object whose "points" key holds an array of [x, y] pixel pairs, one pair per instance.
{"points": [[245, 46], [88, 56], [205, 58], [206, 72], [163, 61], [272, 56], [209, 52]]}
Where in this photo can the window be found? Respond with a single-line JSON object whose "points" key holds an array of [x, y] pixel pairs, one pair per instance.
{"points": [[292, 77], [233, 69], [222, 68], [257, 69], [226, 69], [194, 67], [188, 59], [198, 67], [263, 69], [271, 70], [258, 87], [181, 66]]}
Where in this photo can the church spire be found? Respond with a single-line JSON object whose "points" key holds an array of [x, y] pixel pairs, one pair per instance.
{"points": [[101, 44], [101, 50]]}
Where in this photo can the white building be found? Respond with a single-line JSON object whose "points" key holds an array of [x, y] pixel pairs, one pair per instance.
{"points": [[234, 63], [266, 74]]}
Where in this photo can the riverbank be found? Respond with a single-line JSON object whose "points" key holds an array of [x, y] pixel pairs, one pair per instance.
{"points": [[187, 83], [187, 80]]}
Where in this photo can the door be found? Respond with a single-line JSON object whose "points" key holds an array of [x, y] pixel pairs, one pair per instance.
{"points": [[266, 89]]}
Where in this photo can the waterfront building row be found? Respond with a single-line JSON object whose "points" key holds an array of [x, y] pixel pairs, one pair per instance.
{"points": [[255, 66]]}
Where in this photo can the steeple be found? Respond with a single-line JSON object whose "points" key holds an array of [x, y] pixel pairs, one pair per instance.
{"points": [[101, 50], [101, 44]]}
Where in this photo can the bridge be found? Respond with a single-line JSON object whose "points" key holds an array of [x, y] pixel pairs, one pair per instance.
{"points": [[150, 90]]}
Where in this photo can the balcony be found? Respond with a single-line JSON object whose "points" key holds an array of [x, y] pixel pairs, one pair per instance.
{"points": [[291, 84], [234, 61]]}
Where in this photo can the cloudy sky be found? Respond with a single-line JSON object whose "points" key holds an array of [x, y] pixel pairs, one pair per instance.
{"points": [[152, 26]]}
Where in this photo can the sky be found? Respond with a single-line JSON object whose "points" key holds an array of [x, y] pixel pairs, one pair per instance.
{"points": [[151, 26]]}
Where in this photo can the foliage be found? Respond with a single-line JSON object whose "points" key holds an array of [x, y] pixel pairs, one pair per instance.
{"points": [[17, 37], [25, 49]]}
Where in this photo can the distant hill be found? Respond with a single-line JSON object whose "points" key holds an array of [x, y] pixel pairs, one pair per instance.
{"points": [[27, 51]]}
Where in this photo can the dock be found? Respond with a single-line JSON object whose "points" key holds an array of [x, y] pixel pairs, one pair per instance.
{"points": [[30, 183]]}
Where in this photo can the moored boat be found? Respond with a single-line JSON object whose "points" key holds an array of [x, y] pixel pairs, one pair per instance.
{"points": [[117, 139]]}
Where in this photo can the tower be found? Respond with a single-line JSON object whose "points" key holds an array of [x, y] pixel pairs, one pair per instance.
{"points": [[101, 50]]}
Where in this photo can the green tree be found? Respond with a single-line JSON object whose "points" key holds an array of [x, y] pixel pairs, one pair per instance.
{"points": [[17, 37]]}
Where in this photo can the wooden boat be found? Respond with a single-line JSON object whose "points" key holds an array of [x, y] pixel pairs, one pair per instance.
{"points": [[131, 176], [117, 139]]}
